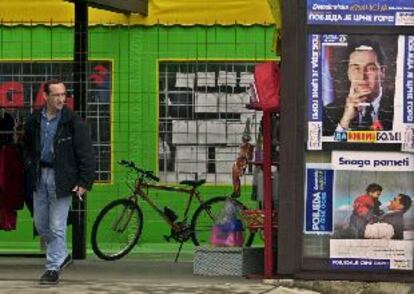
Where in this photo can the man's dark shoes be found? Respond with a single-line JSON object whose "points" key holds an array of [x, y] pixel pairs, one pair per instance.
{"points": [[50, 277], [67, 262]]}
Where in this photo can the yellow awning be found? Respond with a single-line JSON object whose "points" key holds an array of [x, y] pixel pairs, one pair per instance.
{"points": [[169, 12], [276, 10]]}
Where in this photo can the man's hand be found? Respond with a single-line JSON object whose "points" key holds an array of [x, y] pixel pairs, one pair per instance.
{"points": [[80, 191], [355, 98]]}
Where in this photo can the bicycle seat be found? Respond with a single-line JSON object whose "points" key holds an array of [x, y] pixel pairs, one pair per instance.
{"points": [[193, 183]]}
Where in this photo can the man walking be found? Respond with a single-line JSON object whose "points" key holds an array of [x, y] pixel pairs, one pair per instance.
{"points": [[61, 161]]}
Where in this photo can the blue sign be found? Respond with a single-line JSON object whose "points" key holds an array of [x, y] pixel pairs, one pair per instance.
{"points": [[314, 74], [319, 195], [359, 264], [361, 12], [409, 80]]}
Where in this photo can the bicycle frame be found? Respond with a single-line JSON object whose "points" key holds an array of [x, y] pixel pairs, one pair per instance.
{"points": [[192, 192], [127, 233]]}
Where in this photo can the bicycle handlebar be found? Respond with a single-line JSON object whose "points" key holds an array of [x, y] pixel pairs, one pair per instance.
{"points": [[145, 173]]}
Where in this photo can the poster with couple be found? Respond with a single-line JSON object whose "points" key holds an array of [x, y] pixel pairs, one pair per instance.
{"points": [[363, 201]]}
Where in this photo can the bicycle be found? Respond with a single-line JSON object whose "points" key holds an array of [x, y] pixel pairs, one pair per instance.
{"points": [[121, 221]]}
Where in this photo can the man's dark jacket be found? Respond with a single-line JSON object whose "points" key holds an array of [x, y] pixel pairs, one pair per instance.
{"points": [[396, 219], [332, 114], [74, 157]]}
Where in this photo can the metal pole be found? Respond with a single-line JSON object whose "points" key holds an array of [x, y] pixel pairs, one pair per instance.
{"points": [[79, 91], [267, 194]]}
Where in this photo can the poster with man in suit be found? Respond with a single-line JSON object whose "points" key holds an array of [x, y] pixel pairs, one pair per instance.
{"points": [[360, 89]]}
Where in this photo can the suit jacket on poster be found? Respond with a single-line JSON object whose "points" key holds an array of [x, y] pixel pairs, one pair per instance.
{"points": [[332, 114]]}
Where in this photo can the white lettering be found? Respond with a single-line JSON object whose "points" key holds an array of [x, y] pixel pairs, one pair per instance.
{"points": [[329, 7], [315, 77], [383, 18], [316, 206], [315, 179], [411, 43], [362, 17], [316, 16], [410, 59]]}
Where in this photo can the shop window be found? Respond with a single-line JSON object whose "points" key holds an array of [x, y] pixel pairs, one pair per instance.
{"points": [[202, 117]]}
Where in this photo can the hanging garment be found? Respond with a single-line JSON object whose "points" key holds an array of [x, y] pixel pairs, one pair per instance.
{"points": [[8, 219], [11, 178], [267, 85], [11, 186]]}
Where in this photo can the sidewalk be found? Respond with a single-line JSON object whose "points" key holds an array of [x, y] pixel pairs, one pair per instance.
{"points": [[20, 275]]}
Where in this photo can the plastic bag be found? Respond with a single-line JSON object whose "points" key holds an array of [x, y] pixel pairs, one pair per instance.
{"points": [[228, 229]]}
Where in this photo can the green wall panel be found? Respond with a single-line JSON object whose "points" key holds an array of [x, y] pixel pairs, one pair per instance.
{"points": [[134, 52]]}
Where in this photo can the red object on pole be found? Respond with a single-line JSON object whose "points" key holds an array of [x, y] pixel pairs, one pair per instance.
{"points": [[267, 194]]}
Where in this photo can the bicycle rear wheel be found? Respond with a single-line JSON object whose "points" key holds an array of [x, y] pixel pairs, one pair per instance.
{"points": [[205, 218], [116, 229]]}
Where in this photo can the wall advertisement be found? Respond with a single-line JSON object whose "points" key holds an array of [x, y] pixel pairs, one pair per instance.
{"points": [[370, 216], [361, 12], [360, 90], [319, 198]]}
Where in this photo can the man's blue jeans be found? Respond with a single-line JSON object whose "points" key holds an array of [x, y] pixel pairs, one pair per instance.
{"points": [[50, 215]]}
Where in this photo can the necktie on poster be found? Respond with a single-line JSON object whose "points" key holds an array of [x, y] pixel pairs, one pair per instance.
{"points": [[366, 115]]}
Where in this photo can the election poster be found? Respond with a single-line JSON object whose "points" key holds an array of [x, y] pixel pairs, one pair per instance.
{"points": [[361, 12], [318, 200], [363, 201], [360, 90]]}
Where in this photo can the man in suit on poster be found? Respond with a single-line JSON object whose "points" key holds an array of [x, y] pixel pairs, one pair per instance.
{"points": [[366, 106]]}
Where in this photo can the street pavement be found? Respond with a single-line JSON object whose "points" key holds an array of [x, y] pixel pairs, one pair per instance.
{"points": [[21, 275]]}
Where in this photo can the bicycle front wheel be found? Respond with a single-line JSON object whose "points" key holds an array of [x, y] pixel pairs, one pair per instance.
{"points": [[116, 229], [206, 216]]}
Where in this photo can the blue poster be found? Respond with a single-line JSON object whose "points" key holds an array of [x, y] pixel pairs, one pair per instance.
{"points": [[319, 195], [409, 80], [361, 12], [314, 78]]}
